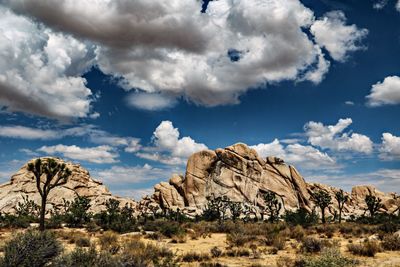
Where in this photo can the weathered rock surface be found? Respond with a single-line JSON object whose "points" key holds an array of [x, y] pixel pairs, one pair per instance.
{"points": [[80, 183], [239, 173]]}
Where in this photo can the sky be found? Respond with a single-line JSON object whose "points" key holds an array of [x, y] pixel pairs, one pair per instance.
{"points": [[130, 89]]}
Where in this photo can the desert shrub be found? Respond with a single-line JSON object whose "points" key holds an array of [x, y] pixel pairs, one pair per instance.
{"points": [[238, 239], [166, 228], [109, 242], [391, 242], [297, 232], [311, 244], [137, 253], [240, 252], [368, 248], [216, 252], [82, 242], [301, 217], [31, 248], [284, 261], [388, 227], [13, 221], [86, 258], [194, 256], [76, 212], [117, 219], [330, 257], [279, 242]]}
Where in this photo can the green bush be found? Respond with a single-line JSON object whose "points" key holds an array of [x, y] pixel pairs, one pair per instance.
{"points": [[330, 257], [109, 242], [311, 245], [82, 242], [116, 219], [31, 248], [194, 256], [137, 253], [368, 248], [216, 252], [391, 242], [301, 217], [86, 258]]}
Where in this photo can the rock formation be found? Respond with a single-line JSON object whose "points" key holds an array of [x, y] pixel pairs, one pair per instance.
{"points": [[236, 172], [80, 183], [239, 173]]}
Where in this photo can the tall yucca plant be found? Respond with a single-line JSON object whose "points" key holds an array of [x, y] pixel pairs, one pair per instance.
{"points": [[55, 174]]}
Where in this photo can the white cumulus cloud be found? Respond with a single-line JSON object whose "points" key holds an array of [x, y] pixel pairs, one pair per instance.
{"points": [[306, 157], [168, 148], [385, 93], [170, 48], [99, 154], [333, 137], [40, 69], [150, 101], [390, 148], [339, 39]]}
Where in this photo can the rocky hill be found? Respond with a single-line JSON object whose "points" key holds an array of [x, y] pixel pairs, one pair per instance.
{"points": [[80, 183], [239, 173]]}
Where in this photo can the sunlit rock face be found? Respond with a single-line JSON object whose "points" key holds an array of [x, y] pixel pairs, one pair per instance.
{"points": [[240, 174], [80, 183]]}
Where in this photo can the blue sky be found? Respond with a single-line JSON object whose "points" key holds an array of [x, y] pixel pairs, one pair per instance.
{"points": [[132, 93]]}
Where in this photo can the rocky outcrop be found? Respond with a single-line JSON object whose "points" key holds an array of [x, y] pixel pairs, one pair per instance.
{"points": [[80, 183], [240, 174]]}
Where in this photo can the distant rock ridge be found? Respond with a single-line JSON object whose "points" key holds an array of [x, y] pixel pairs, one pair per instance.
{"points": [[239, 173], [80, 183]]}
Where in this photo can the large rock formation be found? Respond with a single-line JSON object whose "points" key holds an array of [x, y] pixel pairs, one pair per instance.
{"points": [[239, 173], [80, 183]]}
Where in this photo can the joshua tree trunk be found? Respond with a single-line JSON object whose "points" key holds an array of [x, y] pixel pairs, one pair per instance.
{"points": [[323, 215], [42, 212], [340, 215]]}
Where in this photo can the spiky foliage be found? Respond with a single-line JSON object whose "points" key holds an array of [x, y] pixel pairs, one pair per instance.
{"points": [[341, 199], [235, 209], [216, 208], [322, 199], [54, 173], [272, 206], [374, 204]]}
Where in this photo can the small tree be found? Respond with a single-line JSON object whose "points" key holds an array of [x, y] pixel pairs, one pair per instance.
{"points": [[272, 206], [215, 209], [322, 200], [55, 174], [374, 204], [341, 199], [236, 209]]}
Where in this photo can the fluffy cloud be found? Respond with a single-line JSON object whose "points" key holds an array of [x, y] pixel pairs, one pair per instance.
{"points": [[332, 137], [169, 47], [22, 132], [398, 5], [306, 157], [380, 4], [339, 39], [168, 147], [390, 148], [99, 154], [387, 180], [150, 101], [134, 174], [385, 93], [40, 69]]}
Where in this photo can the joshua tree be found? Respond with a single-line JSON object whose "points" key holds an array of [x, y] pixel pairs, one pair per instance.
{"points": [[216, 208], [272, 206], [235, 208], [322, 200], [373, 204], [55, 174], [341, 198]]}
